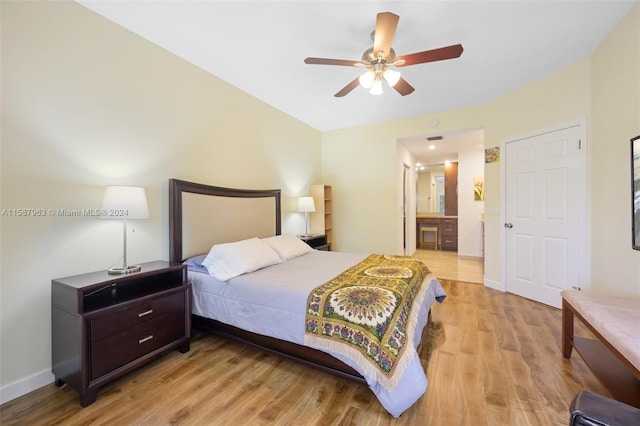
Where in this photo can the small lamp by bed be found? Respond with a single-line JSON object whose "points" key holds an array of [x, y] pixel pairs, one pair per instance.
{"points": [[124, 203], [306, 205]]}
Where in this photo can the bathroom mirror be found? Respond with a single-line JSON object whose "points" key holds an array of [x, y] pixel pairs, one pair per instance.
{"points": [[430, 196]]}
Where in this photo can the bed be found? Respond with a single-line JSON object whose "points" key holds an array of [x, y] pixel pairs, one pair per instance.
{"points": [[271, 307]]}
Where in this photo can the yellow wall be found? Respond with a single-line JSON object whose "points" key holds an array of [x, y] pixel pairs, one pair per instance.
{"points": [[615, 112], [87, 104]]}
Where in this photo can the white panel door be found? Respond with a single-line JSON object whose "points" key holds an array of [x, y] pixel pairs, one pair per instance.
{"points": [[545, 215]]}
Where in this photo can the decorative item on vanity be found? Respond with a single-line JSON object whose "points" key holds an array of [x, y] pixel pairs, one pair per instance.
{"points": [[306, 205], [124, 203]]}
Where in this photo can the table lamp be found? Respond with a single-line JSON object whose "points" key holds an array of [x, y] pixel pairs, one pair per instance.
{"points": [[124, 203], [306, 205]]}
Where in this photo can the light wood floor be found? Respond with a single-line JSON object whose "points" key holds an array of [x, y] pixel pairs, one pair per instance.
{"points": [[491, 359], [447, 265]]}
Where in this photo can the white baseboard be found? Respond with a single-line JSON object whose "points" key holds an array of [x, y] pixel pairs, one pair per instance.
{"points": [[494, 284], [26, 385]]}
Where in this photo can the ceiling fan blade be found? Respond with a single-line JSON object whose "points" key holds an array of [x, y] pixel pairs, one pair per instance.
{"points": [[386, 24], [349, 87], [323, 61], [440, 54], [403, 87]]}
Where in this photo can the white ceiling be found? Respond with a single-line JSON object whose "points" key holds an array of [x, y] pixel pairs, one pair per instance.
{"points": [[259, 47], [445, 149]]}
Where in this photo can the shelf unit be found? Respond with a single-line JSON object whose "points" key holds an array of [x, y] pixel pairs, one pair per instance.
{"points": [[321, 221]]}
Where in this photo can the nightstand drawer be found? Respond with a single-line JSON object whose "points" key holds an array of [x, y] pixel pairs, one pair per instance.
{"points": [[122, 319], [119, 349], [318, 242]]}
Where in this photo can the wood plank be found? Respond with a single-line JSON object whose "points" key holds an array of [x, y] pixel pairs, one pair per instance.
{"points": [[490, 358]]}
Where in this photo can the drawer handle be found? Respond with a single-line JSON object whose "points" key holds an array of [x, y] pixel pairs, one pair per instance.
{"points": [[145, 313], [145, 339]]}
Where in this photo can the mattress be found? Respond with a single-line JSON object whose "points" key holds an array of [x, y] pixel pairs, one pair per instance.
{"points": [[272, 302]]}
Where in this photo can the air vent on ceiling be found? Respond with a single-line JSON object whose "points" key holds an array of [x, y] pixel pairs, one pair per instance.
{"points": [[434, 138]]}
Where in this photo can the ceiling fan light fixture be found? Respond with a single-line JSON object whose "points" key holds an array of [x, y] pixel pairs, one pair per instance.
{"points": [[376, 87], [366, 79], [391, 76], [381, 56]]}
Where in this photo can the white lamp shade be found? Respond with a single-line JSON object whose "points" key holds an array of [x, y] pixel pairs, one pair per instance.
{"points": [[306, 204], [366, 79], [392, 77], [376, 87], [124, 203]]}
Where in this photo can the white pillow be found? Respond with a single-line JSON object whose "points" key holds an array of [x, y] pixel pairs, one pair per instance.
{"points": [[288, 246], [229, 260]]}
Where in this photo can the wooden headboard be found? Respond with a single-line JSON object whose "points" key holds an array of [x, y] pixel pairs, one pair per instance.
{"points": [[203, 215]]}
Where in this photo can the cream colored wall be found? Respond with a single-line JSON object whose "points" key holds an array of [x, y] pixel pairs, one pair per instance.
{"points": [[361, 165], [87, 104], [615, 111], [470, 166]]}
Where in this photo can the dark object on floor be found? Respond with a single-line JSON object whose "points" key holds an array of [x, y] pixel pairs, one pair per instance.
{"points": [[590, 409]]}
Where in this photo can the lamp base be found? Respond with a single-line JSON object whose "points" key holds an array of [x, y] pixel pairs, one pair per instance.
{"points": [[119, 270]]}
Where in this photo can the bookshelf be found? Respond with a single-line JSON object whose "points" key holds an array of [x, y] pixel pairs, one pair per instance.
{"points": [[321, 221]]}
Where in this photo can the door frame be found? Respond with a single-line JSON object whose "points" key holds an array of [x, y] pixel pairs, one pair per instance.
{"points": [[584, 217], [407, 189]]}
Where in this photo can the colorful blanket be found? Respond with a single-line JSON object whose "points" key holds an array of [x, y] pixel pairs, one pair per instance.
{"points": [[368, 314]]}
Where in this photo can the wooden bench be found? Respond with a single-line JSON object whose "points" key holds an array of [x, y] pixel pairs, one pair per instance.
{"points": [[614, 355]]}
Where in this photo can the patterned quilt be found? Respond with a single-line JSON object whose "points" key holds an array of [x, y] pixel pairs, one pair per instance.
{"points": [[369, 313]]}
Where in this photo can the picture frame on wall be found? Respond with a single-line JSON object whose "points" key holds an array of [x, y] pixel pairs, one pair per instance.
{"points": [[635, 192]]}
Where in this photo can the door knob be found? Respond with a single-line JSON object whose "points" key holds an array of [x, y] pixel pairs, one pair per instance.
{"points": [[508, 225]]}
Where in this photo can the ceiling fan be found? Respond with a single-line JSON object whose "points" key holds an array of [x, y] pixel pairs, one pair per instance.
{"points": [[381, 57]]}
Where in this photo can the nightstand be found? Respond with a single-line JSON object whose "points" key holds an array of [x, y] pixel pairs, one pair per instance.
{"points": [[318, 242], [104, 326]]}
